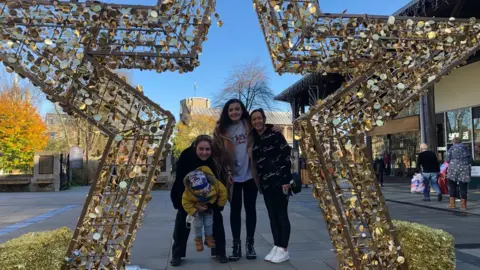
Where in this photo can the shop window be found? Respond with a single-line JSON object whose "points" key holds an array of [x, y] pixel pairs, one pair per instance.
{"points": [[459, 124], [400, 150], [476, 130], [379, 145]]}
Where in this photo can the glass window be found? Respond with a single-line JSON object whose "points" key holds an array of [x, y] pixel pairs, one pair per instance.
{"points": [[379, 145], [459, 124], [401, 150], [476, 128]]}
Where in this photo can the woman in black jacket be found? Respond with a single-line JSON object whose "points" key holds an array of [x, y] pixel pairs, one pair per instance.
{"points": [[271, 156], [199, 154]]}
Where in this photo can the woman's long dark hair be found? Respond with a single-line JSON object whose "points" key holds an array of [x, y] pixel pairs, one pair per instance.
{"points": [[225, 120]]}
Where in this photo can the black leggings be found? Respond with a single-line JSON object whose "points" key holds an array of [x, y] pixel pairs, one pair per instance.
{"points": [[277, 206], [250, 192], [181, 233], [452, 185]]}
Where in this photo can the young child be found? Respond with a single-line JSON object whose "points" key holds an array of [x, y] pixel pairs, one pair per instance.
{"points": [[202, 189]]}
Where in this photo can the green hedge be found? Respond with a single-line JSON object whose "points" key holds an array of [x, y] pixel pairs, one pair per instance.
{"points": [[426, 248], [36, 250]]}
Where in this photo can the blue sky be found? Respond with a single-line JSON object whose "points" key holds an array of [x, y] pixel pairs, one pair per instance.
{"points": [[240, 40]]}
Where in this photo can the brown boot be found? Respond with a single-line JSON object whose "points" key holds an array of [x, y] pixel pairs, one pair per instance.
{"points": [[464, 204], [451, 205], [198, 244], [209, 241]]}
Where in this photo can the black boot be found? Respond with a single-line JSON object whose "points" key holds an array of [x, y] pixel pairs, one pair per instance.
{"points": [[251, 254], [222, 259], [175, 261], [237, 251]]}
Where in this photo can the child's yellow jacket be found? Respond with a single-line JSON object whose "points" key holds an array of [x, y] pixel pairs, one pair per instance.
{"points": [[218, 192]]}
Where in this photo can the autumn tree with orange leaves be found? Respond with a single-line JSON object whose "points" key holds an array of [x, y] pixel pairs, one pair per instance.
{"points": [[22, 131], [185, 133]]}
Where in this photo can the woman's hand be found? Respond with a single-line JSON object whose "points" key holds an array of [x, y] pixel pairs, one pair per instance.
{"points": [[230, 179], [286, 188], [215, 207], [201, 207]]}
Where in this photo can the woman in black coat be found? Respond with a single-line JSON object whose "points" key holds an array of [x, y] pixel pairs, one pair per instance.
{"points": [[271, 156], [199, 154]]}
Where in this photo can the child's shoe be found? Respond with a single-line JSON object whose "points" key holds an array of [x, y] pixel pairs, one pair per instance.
{"points": [[209, 241], [198, 244]]}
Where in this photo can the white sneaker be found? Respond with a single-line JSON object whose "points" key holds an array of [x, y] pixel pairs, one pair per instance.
{"points": [[281, 255], [271, 254]]}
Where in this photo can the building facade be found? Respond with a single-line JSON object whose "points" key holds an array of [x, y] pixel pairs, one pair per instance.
{"points": [[53, 122], [188, 104]]}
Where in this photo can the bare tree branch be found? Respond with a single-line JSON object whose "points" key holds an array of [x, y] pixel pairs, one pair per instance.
{"points": [[60, 117], [249, 83]]}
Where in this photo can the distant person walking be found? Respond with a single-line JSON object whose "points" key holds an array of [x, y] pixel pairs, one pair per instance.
{"points": [[427, 164], [379, 166], [459, 159]]}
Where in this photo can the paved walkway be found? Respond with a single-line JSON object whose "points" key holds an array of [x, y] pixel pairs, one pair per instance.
{"points": [[309, 246]]}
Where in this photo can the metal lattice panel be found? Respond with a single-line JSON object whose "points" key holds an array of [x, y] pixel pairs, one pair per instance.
{"points": [[303, 40], [67, 49], [388, 62]]}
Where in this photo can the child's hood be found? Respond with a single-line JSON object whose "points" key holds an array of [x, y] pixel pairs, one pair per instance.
{"points": [[208, 173]]}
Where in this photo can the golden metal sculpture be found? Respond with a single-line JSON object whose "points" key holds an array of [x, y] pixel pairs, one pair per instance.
{"points": [[388, 62], [68, 49]]}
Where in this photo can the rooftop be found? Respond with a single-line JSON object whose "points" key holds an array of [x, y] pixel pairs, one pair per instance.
{"points": [[322, 83], [441, 8]]}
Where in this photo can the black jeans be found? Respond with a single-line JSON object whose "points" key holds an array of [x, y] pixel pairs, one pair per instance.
{"points": [[452, 185], [250, 191], [181, 233], [277, 206]]}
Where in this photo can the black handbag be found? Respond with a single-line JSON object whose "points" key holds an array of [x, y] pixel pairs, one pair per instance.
{"points": [[296, 183]]}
